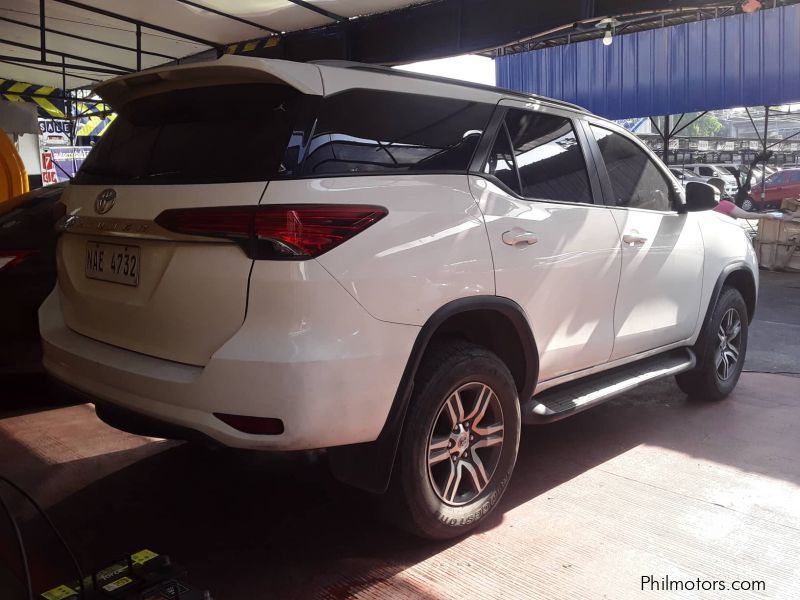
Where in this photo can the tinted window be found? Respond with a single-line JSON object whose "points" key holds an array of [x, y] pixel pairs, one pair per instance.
{"points": [[549, 158], [635, 180], [372, 131], [501, 162], [200, 135], [793, 177], [706, 171]]}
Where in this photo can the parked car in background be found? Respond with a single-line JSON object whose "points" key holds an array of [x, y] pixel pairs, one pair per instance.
{"points": [[400, 269], [774, 189], [685, 176], [27, 272], [712, 170]]}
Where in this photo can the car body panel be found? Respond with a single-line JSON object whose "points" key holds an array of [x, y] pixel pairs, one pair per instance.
{"points": [[431, 247], [661, 281], [566, 282], [162, 316], [311, 357]]}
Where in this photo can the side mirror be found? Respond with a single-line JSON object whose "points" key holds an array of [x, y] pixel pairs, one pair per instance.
{"points": [[701, 196]]}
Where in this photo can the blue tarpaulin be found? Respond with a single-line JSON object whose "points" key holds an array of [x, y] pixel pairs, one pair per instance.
{"points": [[741, 60]]}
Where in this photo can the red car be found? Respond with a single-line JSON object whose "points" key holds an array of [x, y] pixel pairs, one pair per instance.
{"points": [[776, 187]]}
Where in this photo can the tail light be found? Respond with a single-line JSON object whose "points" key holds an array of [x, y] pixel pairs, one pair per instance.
{"points": [[276, 232], [14, 257]]}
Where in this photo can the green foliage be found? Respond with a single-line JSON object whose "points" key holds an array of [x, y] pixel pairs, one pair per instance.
{"points": [[706, 126]]}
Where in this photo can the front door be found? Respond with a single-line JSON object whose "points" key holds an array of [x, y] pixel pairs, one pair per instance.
{"points": [[658, 302], [556, 252]]}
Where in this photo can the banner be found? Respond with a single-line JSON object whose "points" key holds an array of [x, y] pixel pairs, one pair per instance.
{"points": [[60, 163]]}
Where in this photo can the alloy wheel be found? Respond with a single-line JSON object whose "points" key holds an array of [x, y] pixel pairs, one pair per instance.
{"points": [[465, 443], [730, 337]]}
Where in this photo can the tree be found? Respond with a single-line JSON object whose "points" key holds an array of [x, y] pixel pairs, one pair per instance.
{"points": [[706, 126]]}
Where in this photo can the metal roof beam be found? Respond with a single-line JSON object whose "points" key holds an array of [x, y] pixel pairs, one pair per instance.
{"points": [[131, 20], [26, 66], [65, 55], [228, 16], [86, 39], [71, 66], [318, 10]]}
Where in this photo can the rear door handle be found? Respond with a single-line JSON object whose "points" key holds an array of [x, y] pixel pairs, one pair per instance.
{"points": [[518, 236], [634, 239]]}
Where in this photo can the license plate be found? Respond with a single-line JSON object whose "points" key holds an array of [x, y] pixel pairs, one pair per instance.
{"points": [[113, 262]]}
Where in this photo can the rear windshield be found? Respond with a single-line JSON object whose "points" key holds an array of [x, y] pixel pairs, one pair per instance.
{"points": [[257, 132], [217, 134]]}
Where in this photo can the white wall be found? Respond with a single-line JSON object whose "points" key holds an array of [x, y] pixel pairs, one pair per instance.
{"points": [[28, 147], [469, 67]]}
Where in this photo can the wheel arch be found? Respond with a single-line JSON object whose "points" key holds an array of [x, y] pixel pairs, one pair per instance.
{"points": [[497, 323], [738, 275]]}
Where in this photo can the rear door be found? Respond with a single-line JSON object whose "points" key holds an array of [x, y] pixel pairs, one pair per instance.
{"points": [[556, 251], [198, 138], [660, 285]]}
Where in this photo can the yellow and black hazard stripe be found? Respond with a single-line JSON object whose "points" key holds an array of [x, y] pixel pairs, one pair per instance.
{"points": [[49, 99], [253, 45], [94, 126]]}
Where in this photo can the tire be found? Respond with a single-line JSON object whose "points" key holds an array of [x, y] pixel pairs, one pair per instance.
{"points": [[455, 493], [747, 204], [720, 361]]}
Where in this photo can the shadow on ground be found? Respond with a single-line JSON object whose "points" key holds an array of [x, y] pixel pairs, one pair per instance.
{"points": [[243, 521]]}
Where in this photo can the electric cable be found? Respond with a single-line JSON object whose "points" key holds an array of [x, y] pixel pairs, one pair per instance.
{"points": [[54, 530], [21, 545]]}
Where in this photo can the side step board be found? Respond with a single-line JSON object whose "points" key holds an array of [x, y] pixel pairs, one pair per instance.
{"points": [[571, 398]]}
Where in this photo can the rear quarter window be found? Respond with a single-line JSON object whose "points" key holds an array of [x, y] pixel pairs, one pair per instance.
{"points": [[374, 132]]}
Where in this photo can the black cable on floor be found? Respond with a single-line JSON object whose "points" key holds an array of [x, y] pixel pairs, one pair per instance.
{"points": [[54, 530], [23, 556]]}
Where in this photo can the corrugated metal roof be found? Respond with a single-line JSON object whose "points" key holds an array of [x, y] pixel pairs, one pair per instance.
{"points": [[79, 32], [741, 60]]}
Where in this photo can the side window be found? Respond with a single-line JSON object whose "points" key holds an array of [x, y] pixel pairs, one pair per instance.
{"points": [[549, 157], [501, 161], [793, 177], [635, 179], [374, 132], [706, 172]]}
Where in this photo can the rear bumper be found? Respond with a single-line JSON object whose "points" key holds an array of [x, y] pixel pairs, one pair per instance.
{"points": [[331, 382]]}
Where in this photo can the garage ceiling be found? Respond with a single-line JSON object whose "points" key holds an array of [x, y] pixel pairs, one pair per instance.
{"points": [[91, 40], [170, 29]]}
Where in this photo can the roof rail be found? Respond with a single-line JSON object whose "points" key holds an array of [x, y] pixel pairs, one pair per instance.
{"points": [[348, 64]]}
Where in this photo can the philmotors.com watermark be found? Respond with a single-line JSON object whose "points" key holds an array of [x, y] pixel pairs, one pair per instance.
{"points": [[650, 583]]}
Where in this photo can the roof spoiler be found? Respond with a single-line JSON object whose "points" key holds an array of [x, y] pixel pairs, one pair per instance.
{"points": [[228, 69]]}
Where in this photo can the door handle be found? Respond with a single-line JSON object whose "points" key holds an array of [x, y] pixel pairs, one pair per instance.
{"points": [[518, 236], [634, 239]]}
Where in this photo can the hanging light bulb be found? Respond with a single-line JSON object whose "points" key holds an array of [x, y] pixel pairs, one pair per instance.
{"points": [[608, 26]]}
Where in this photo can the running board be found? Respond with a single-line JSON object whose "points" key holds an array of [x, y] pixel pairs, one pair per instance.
{"points": [[571, 398]]}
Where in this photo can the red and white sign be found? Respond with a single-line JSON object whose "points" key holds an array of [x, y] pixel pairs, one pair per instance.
{"points": [[49, 174]]}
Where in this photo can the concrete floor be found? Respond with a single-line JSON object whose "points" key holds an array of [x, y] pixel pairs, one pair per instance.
{"points": [[649, 484]]}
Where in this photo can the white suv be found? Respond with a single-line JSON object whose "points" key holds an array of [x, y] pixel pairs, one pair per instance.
{"points": [[400, 269], [718, 172]]}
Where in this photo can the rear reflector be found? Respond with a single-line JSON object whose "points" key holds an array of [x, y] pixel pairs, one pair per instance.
{"points": [[10, 259], [294, 232], [257, 425]]}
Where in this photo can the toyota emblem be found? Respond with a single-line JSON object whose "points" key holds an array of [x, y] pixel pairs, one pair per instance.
{"points": [[105, 201]]}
